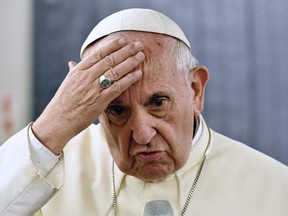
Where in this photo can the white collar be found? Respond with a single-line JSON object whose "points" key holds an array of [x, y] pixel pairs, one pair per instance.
{"points": [[198, 132]]}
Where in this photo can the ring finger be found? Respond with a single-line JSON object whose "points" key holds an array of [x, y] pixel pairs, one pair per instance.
{"points": [[120, 70]]}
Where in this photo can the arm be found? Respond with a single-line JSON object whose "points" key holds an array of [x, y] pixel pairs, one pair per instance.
{"points": [[77, 103], [25, 186]]}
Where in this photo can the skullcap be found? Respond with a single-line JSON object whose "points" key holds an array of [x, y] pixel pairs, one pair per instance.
{"points": [[135, 19]]}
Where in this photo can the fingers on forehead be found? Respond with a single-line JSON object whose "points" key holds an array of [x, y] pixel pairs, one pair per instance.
{"points": [[99, 50]]}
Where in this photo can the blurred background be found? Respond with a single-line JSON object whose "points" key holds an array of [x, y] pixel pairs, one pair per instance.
{"points": [[244, 44]]}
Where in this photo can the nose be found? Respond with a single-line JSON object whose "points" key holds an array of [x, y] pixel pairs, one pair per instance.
{"points": [[142, 128]]}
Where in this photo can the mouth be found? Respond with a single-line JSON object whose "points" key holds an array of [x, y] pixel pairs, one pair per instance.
{"points": [[148, 156]]}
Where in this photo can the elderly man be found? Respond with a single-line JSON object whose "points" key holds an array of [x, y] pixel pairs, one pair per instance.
{"points": [[151, 154]]}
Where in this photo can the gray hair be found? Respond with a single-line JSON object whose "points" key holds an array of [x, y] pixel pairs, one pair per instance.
{"points": [[185, 61]]}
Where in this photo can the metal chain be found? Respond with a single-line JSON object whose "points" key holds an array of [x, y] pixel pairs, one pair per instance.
{"points": [[197, 176], [185, 207], [114, 197]]}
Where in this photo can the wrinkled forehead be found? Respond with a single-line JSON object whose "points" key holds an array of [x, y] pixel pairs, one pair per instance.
{"points": [[159, 67], [154, 44]]}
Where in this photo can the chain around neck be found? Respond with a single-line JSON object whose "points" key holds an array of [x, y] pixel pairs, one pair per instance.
{"points": [[193, 187]]}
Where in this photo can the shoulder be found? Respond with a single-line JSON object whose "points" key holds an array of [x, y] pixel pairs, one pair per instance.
{"points": [[242, 157], [237, 177]]}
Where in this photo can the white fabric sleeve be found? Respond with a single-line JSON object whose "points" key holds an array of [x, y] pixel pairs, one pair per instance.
{"points": [[25, 187], [42, 158]]}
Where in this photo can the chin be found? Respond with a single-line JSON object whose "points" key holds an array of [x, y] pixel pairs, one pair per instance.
{"points": [[153, 173]]}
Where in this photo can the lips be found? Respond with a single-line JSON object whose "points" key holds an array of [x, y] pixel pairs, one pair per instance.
{"points": [[148, 156]]}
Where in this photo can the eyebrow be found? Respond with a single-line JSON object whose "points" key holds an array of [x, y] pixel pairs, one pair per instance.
{"points": [[157, 94], [114, 102], [151, 97]]}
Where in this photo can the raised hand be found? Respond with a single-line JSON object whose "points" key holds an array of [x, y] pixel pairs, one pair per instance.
{"points": [[80, 99]]}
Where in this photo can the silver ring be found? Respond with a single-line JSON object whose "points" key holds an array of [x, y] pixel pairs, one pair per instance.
{"points": [[105, 82]]}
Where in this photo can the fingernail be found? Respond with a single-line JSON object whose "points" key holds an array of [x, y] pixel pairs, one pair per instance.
{"points": [[122, 41], [139, 45], [70, 65], [138, 73], [140, 55]]}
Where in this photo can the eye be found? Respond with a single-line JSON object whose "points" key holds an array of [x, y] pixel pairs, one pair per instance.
{"points": [[159, 106], [117, 114], [158, 102], [117, 110]]}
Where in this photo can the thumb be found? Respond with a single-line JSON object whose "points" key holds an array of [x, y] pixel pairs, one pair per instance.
{"points": [[71, 64]]}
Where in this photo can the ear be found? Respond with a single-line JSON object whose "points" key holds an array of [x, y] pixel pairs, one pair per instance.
{"points": [[199, 79]]}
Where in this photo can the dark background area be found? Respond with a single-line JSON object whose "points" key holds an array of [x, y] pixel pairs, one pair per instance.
{"points": [[244, 44]]}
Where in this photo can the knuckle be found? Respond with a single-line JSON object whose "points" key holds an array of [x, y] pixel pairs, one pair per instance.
{"points": [[117, 87], [113, 73], [109, 60], [97, 54]]}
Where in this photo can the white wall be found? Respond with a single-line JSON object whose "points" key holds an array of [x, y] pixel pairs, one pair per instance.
{"points": [[15, 66]]}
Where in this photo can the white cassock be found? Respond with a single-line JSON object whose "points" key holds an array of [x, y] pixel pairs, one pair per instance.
{"points": [[235, 180]]}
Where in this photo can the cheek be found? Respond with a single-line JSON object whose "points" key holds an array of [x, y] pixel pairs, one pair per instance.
{"points": [[180, 136], [117, 138], [181, 122], [180, 145]]}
